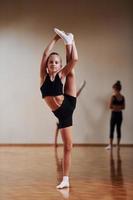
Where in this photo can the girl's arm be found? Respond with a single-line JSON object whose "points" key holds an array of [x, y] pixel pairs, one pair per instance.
{"points": [[71, 63], [46, 53], [110, 103], [116, 107], [121, 107]]}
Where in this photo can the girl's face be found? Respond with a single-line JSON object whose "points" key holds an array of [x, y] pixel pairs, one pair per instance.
{"points": [[54, 64], [115, 91]]}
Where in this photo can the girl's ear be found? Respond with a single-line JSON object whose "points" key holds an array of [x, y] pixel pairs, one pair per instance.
{"points": [[47, 70]]}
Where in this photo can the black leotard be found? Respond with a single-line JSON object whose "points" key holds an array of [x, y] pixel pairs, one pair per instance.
{"points": [[52, 88]]}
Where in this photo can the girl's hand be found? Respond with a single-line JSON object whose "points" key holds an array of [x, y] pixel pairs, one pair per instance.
{"points": [[57, 37]]}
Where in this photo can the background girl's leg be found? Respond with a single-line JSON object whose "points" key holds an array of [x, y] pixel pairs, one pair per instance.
{"points": [[112, 127], [118, 129]]}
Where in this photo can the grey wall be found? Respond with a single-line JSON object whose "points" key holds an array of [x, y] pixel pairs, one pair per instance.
{"points": [[103, 34]]}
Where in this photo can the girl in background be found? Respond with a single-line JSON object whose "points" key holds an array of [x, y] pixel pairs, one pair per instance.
{"points": [[117, 104]]}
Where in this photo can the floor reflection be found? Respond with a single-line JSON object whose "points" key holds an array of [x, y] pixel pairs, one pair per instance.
{"points": [[64, 192], [59, 164], [116, 174]]}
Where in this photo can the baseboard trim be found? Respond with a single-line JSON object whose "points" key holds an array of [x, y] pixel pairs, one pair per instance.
{"points": [[52, 145]]}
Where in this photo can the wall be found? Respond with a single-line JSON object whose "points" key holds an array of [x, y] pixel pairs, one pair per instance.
{"points": [[103, 35]]}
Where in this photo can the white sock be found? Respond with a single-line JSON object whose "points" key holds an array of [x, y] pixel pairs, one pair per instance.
{"points": [[67, 37], [108, 147], [64, 183]]}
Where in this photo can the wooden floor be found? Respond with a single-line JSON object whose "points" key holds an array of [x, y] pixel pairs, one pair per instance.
{"points": [[32, 173]]}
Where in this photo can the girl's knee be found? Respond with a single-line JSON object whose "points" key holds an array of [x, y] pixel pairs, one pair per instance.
{"points": [[71, 73], [68, 147]]}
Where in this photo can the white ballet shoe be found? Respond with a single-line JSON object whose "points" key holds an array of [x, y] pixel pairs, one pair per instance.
{"points": [[67, 37], [63, 184], [108, 147]]}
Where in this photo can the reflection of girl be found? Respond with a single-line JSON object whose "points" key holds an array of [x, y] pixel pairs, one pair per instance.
{"points": [[117, 104], [62, 104]]}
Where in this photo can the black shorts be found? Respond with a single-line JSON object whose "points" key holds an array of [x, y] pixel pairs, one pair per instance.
{"points": [[65, 112]]}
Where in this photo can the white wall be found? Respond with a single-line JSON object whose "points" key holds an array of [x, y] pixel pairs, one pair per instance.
{"points": [[103, 35]]}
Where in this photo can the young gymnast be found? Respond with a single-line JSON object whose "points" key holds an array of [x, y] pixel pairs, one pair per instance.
{"points": [[57, 129], [117, 104], [60, 98]]}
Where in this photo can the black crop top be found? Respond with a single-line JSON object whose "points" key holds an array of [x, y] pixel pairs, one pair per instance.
{"points": [[52, 88], [118, 102]]}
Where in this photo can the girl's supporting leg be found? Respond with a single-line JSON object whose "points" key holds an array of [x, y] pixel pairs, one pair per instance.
{"points": [[66, 134], [67, 141]]}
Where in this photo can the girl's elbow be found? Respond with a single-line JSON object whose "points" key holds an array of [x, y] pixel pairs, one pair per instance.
{"points": [[75, 60]]}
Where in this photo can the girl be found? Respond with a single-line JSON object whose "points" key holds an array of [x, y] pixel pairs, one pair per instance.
{"points": [[117, 104], [61, 99]]}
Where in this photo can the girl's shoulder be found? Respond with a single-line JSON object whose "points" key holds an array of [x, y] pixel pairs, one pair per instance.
{"points": [[113, 96], [42, 80], [119, 97], [122, 96], [62, 78]]}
